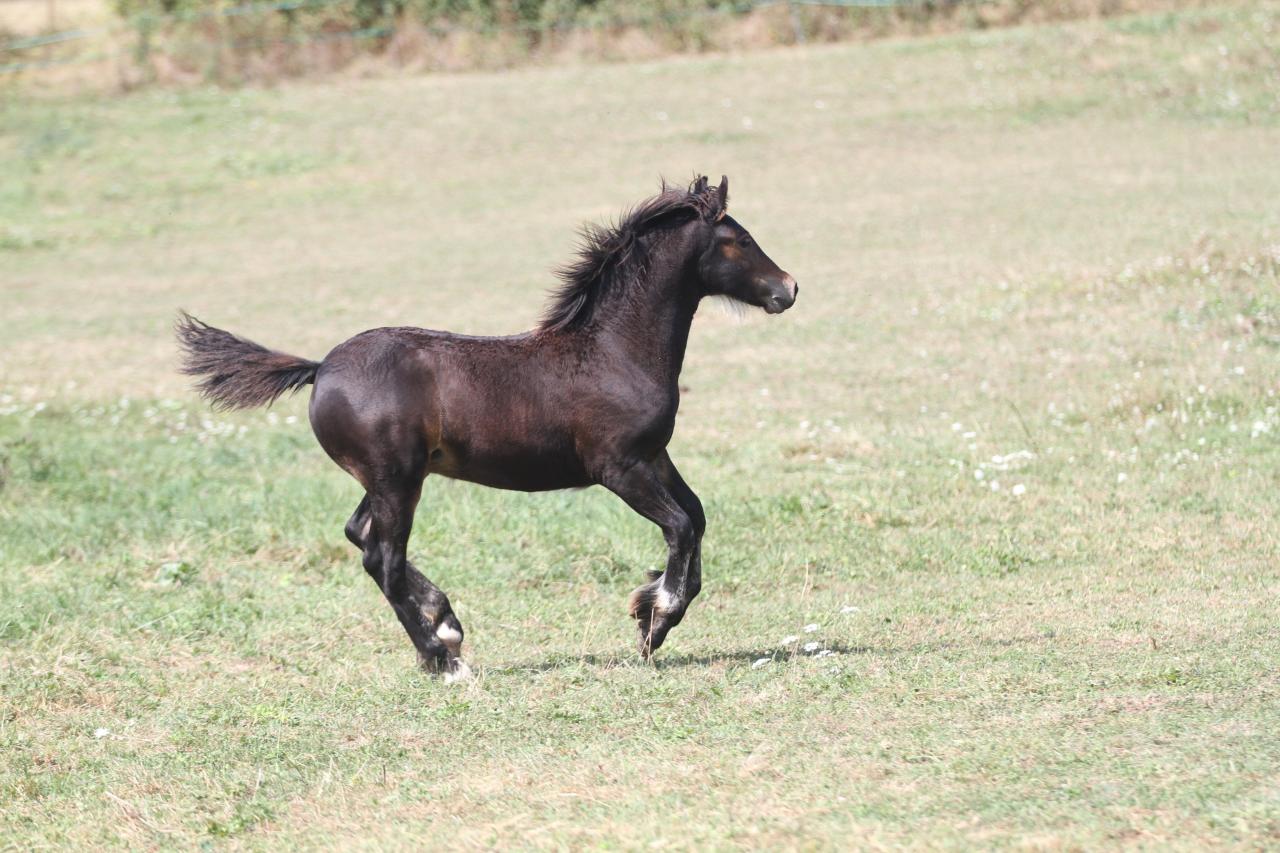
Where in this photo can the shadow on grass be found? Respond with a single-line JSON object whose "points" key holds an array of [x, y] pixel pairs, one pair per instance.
{"points": [[663, 661]]}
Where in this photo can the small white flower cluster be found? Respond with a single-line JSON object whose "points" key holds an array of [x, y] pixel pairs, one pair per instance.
{"points": [[813, 647], [814, 431], [25, 401], [178, 422], [828, 434], [1008, 462]]}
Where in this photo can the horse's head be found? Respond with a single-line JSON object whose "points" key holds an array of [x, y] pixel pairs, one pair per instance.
{"points": [[733, 264]]}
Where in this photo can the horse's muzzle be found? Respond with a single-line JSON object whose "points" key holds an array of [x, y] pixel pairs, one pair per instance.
{"points": [[783, 296]]}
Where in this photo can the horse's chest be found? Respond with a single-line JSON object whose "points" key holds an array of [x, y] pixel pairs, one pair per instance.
{"points": [[645, 423]]}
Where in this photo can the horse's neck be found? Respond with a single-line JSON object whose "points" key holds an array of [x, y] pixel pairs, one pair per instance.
{"points": [[651, 323]]}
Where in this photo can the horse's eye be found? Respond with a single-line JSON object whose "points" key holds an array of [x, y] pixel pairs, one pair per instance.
{"points": [[745, 241]]}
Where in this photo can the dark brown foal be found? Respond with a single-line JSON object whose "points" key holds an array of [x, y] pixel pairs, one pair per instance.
{"points": [[588, 397]]}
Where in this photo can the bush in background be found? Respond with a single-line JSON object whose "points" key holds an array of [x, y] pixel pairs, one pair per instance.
{"points": [[232, 42]]}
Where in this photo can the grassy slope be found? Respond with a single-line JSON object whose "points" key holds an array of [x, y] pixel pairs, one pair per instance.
{"points": [[1056, 240]]}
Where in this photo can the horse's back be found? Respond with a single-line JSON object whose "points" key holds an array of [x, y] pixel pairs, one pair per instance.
{"points": [[485, 409]]}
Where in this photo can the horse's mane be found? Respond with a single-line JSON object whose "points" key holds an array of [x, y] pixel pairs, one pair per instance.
{"points": [[610, 255]]}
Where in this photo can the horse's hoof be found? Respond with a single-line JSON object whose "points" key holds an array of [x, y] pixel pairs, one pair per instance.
{"points": [[435, 663], [652, 635], [454, 669], [459, 672], [644, 646]]}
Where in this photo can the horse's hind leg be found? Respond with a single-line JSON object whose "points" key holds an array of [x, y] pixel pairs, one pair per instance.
{"points": [[383, 530], [358, 525]]}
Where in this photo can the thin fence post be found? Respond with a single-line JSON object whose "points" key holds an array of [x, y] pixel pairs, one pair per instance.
{"points": [[796, 23], [53, 28]]}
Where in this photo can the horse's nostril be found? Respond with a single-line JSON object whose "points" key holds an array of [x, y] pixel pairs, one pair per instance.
{"points": [[778, 302]]}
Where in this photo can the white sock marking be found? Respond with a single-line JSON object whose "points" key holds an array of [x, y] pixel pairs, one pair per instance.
{"points": [[664, 601], [461, 672]]}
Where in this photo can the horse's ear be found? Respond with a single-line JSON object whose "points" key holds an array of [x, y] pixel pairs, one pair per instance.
{"points": [[699, 185], [722, 197]]}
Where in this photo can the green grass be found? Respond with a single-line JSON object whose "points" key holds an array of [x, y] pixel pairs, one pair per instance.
{"points": [[1015, 454]]}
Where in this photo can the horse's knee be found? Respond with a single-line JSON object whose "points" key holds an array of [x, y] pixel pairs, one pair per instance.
{"points": [[683, 535]]}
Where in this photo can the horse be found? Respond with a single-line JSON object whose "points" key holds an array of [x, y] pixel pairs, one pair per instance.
{"points": [[587, 397]]}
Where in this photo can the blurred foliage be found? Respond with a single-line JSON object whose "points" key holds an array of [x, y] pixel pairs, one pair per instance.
{"points": [[526, 14], [261, 40]]}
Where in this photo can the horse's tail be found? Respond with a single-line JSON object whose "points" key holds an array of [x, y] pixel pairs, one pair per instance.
{"points": [[236, 373]]}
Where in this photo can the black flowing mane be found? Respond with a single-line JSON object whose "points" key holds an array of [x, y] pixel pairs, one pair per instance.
{"points": [[609, 256]]}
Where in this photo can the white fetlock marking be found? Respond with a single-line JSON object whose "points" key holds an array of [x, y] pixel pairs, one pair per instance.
{"points": [[664, 601], [461, 672], [448, 635]]}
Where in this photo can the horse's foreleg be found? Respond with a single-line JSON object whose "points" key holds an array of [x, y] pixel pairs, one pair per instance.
{"points": [[659, 605], [381, 526], [693, 507]]}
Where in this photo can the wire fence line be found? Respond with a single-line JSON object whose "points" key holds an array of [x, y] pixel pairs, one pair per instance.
{"points": [[101, 56], [144, 24], [144, 20]]}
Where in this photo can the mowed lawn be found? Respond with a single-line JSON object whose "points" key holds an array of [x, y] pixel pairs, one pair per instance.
{"points": [[1011, 465]]}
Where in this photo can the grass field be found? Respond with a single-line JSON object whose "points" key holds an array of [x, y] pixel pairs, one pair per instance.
{"points": [[1013, 459]]}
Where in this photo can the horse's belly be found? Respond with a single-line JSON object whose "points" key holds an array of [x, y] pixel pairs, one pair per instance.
{"points": [[524, 469]]}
